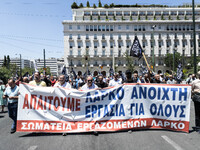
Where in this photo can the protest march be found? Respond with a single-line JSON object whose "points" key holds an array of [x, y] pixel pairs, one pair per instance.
{"points": [[123, 107]]}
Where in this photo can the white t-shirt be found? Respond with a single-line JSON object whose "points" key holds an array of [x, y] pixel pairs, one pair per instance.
{"points": [[114, 83], [65, 85], [85, 87]]}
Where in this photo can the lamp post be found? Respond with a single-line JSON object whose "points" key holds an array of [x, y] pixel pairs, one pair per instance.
{"points": [[113, 58], [194, 37], [153, 27]]}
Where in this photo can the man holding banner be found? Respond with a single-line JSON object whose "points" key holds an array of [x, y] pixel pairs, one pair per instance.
{"points": [[196, 99]]}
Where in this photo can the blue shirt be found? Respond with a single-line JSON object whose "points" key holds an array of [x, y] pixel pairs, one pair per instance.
{"points": [[12, 92]]}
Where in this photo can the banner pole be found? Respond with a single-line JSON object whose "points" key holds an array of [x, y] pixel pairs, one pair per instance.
{"points": [[145, 60]]}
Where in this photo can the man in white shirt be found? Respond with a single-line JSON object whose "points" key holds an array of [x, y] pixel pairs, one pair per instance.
{"points": [[116, 81], [89, 85], [171, 80], [62, 82]]}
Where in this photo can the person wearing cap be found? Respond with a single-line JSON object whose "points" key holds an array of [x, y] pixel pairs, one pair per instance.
{"points": [[11, 93], [116, 81], [196, 99], [89, 84], [2, 101]]}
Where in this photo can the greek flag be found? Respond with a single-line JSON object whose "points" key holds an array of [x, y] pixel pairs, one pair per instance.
{"points": [[179, 74], [136, 49]]}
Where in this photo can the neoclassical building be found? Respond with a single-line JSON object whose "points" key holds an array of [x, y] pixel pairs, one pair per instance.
{"points": [[98, 38]]}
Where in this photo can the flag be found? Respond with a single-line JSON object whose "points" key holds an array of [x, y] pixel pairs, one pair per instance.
{"points": [[73, 73], [26, 74], [35, 66], [179, 74], [136, 49], [64, 70], [143, 70], [111, 71]]}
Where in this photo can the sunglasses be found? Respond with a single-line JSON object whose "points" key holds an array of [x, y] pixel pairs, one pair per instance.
{"points": [[89, 80]]}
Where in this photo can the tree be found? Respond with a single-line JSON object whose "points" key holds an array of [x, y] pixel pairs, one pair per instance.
{"points": [[29, 70], [106, 6], [112, 5], [88, 4], [81, 5], [94, 6], [169, 60], [8, 61], [74, 5], [129, 61], [100, 5], [4, 62], [48, 72]]}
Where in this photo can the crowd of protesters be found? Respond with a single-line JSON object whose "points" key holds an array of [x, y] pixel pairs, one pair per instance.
{"points": [[10, 91]]}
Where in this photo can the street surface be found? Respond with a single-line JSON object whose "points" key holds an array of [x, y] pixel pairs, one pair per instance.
{"points": [[135, 140]]}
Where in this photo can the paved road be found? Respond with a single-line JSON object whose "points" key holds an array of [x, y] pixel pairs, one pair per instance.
{"points": [[143, 139]]}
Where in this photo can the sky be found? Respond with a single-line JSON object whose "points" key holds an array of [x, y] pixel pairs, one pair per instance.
{"points": [[29, 26]]}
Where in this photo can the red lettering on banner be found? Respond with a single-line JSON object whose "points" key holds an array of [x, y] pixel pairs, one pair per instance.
{"points": [[45, 103], [26, 104], [58, 101], [63, 101], [70, 105], [50, 99], [33, 98], [39, 103]]}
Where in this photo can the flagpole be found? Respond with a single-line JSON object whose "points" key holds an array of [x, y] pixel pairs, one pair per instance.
{"points": [[145, 60]]}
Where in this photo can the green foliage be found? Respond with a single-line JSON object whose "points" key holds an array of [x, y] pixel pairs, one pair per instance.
{"points": [[4, 62], [177, 17], [88, 4], [114, 17], [129, 62], [90, 17], [112, 5], [131, 18], [74, 6], [106, 6], [154, 17], [81, 5], [169, 17], [139, 17], [146, 17], [169, 60], [99, 17], [29, 70], [5, 74], [94, 6], [99, 5], [185, 17], [162, 17], [41, 70]]}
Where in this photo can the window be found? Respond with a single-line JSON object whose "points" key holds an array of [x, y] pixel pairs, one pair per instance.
{"points": [[103, 28], [128, 44], [103, 36], [107, 27], [95, 44], [143, 44], [99, 27], [87, 27], [111, 44], [127, 36], [143, 28], [70, 36], [95, 36], [79, 36], [87, 44], [70, 52], [119, 27], [95, 27], [79, 52], [111, 52], [160, 44], [191, 43], [78, 27], [127, 27], [159, 53], [111, 36], [79, 44], [135, 28], [91, 27], [119, 37], [70, 45], [87, 36], [95, 52], [70, 27], [168, 44], [111, 27], [119, 53], [103, 44], [103, 53]]}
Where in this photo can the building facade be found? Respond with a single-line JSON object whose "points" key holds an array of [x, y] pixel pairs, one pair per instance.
{"points": [[54, 64], [98, 38], [16, 61]]}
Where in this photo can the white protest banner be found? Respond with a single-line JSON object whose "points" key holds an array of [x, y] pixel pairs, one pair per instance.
{"points": [[129, 106]]}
